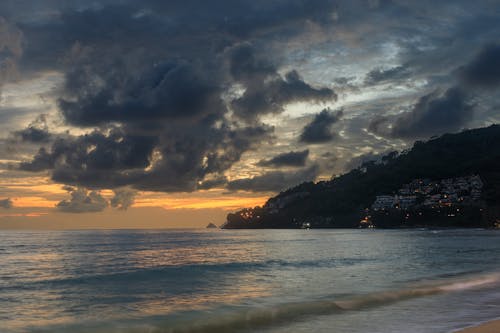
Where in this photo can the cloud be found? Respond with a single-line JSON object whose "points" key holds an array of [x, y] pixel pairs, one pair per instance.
{"points": [[170, 95], [94, 151], [85, 201], [246, 66], [393, 74], [484, 70], [274, 181], [444, 111], [123, 198], [33, 134], [36, 132], [6, 203], [319, 130], [161, 92], [183, 30], [357, 161], [219, 181], [266, 91], [380, 125], [293, 158], [11, 50], [43, 160], [156, 101], [433, 114], [82, 201], [174, 161]]}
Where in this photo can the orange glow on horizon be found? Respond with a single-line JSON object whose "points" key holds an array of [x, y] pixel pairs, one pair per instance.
{"points": [[30, 214], [164, 201], [226, 203], [39, 192], [24, 202]]}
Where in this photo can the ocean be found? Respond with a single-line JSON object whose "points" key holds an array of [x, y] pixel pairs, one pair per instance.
{"points": [[272, 281]]}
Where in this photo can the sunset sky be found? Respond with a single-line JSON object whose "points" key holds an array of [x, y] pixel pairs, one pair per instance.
{"points": [[148, 114]]}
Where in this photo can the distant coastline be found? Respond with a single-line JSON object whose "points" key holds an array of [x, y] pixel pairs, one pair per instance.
{"points": [[448, 182]]}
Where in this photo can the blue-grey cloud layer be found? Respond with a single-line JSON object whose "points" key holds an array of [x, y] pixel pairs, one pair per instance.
{"points": [[292, 158], [172, 94]]}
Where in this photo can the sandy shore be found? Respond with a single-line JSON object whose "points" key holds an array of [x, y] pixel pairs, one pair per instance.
{"points": [[489, 327]]}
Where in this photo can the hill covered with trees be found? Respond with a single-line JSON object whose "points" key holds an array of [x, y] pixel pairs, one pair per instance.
{"points": [[345, 200]]}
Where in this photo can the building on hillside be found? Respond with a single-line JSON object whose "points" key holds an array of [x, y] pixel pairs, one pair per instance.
{"points": [[405, 202], [383, 202]]}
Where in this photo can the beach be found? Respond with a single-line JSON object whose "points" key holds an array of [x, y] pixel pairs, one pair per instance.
{"points": [[488, 327]]}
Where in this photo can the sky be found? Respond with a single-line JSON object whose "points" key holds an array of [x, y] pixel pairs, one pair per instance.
{"points": [[156, 114]]}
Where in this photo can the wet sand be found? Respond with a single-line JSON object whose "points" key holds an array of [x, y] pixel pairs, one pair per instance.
{"points": [[489, 327]]}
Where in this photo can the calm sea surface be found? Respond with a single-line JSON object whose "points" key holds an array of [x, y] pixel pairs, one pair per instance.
{"points": [[248, 280]]}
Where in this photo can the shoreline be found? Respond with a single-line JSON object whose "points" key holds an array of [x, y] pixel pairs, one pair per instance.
{"points": [[492, 326]]}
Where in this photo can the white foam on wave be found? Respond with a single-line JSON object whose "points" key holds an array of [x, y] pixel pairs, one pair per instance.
{"points": [[261, 317], [472, 283]]}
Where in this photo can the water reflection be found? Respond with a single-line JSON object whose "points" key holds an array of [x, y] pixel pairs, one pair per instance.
{"points": [[62, 277], [58, 278]]}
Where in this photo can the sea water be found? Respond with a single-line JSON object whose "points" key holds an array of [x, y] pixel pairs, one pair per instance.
{"points": [[248, 280]]}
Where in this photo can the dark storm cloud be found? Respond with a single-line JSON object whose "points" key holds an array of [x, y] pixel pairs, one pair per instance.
{"points": [[172, 111], [243, 18], [379, 125], [151, 77], [440, 112], [105, 27], [433, 114], [484, 70], [319, 129], [6, 203], [180, 29], [43, 160], [36, 132], [219, 181], [33, 134], [271, 96], [175, 161], [265, 90], [274, 181], [95, 151], [379, 75], [246, 67], [164, 91], [82, 201], [293, 158], [173, 92]]}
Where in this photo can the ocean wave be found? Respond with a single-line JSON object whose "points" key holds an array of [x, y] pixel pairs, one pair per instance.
{"points": [[251, 319], [259, 318], [179, 272]]}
